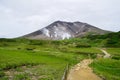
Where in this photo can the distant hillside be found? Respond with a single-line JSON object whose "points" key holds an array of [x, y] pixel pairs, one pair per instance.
{"points": [[64, 30], [108, 40]]}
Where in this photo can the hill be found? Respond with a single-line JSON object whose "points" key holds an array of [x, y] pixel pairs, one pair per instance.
{"points": [[106, 40]]}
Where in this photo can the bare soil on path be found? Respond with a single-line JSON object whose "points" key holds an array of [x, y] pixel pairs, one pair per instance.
{"points": [[106, 54], [82, 71]]}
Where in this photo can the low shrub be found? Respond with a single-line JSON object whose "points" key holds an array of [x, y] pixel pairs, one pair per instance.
{"points": [[2, 74], [82, 46]]}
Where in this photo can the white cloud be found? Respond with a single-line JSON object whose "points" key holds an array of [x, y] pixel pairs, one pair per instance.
{"points": [[19, 17]]}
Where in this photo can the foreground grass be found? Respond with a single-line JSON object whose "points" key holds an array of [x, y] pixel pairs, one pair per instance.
{"points": [[36, 72], [52, 63], [11, 59], [23, 59], [14, 58], [109, 69]]}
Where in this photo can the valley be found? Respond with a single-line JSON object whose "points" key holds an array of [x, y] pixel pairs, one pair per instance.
{"points": [[59, 40], [24, 59]]}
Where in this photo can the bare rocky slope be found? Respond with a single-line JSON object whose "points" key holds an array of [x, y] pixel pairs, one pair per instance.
{"points": [[64, 30]]}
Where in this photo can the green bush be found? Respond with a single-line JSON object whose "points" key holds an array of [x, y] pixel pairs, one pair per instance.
{"points": [[116, 57], [2, 74], [24, 76], [83, 46]]}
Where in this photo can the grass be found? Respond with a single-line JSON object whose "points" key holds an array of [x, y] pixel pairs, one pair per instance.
{"points": [[115, 53], [11, 59], [88, 50], [109, 69], [15, 57], [24, 59], [44, 71], [46, 62]]}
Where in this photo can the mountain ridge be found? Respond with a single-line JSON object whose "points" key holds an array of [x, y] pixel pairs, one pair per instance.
{"points": [[59, 30]]}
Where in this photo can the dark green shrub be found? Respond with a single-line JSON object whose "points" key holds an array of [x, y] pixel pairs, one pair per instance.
{"points": [[2, 74], [4, 78], [30, 49], [56, 42], [82, 46], [24, 76], [116, 57]]}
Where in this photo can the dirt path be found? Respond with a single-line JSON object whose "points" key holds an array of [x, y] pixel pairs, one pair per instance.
{"points": [[107, 55], [82, 71]]}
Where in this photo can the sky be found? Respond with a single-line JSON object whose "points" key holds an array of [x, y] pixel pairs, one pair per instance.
{"points": [[20, 17]]}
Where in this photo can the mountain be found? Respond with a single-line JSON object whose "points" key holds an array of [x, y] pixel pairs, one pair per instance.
{"points": [[64, 30]]}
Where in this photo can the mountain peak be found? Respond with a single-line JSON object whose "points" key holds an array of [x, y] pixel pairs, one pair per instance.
{"points": [[59, 21], [64, 30]]}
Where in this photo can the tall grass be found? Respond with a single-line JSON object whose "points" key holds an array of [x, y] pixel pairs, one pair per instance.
{"points": [[108, 69]]}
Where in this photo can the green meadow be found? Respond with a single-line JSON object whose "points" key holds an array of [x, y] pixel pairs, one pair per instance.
{"points": [[24, 59]]}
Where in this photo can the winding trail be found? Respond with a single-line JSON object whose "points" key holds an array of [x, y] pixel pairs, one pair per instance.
{"points": [[82, 71]]}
